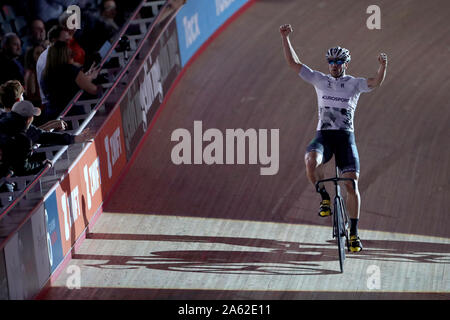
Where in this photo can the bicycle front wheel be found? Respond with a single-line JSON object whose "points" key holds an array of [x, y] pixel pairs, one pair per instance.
{"points": [[340, 232]]}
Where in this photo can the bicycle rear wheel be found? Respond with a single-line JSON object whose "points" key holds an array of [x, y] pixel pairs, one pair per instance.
{"points": [[340, 231]]}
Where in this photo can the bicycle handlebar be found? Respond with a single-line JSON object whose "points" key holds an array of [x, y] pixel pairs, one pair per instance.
{"points": [[336, 180]]}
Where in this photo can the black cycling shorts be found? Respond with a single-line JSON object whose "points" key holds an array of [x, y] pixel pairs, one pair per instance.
{"points": [[342, 144]]}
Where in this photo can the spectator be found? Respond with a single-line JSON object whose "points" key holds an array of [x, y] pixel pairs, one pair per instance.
{"points": [[31, 84], [37, 31], [15, 144], [78, 52], [14, 155], [56, 33], [36, 35], [63, 79], [109, 14], [12, 92], [10, 66], [95, 30]]}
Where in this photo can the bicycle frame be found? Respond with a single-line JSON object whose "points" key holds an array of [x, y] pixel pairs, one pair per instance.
{"points": [[336, 180]]}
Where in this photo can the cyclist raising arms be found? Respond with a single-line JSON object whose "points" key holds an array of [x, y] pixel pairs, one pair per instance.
{"points": [[337, 96]]}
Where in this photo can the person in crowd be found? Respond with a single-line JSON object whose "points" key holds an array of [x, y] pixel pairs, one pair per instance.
{"points": [[108, 13], [31, 83], [79, 55], [36, 35], [12, 92], [10, 66], [98, 25], [15, 145], [56, 33], [63, 79], [15, 160]]}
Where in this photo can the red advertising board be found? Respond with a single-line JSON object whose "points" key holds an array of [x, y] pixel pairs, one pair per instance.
{"points": [[110, 147], [83, 190]]}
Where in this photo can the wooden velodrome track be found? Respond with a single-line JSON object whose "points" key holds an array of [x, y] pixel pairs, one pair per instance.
{"points": [[227, 232]]}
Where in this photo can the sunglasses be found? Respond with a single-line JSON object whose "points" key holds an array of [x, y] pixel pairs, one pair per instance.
{"points": [[338, 62]]}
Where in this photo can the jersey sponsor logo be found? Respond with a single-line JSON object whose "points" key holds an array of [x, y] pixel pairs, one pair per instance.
{"points": [[335, 98]]}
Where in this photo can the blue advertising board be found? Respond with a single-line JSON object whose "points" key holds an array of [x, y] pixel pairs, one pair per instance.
{"points": [[197, 20], [53, 232]]}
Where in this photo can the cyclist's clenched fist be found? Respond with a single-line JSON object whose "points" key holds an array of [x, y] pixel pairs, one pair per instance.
{"points": [[286, 29]]}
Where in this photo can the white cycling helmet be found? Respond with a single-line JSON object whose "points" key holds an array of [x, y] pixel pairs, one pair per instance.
{"points": [[338, 53]]}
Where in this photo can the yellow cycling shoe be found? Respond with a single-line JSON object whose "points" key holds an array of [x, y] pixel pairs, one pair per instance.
{"points": [[325, 209], [355, 244]]}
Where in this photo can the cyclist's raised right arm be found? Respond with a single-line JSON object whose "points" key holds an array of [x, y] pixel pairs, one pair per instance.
{"points": [[289, 52]]}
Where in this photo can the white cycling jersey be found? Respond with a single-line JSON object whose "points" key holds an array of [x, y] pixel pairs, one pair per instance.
{"points": [[336, 98]]}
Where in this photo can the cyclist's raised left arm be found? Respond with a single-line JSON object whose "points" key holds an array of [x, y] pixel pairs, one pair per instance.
{"points": [[381, 73]]}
